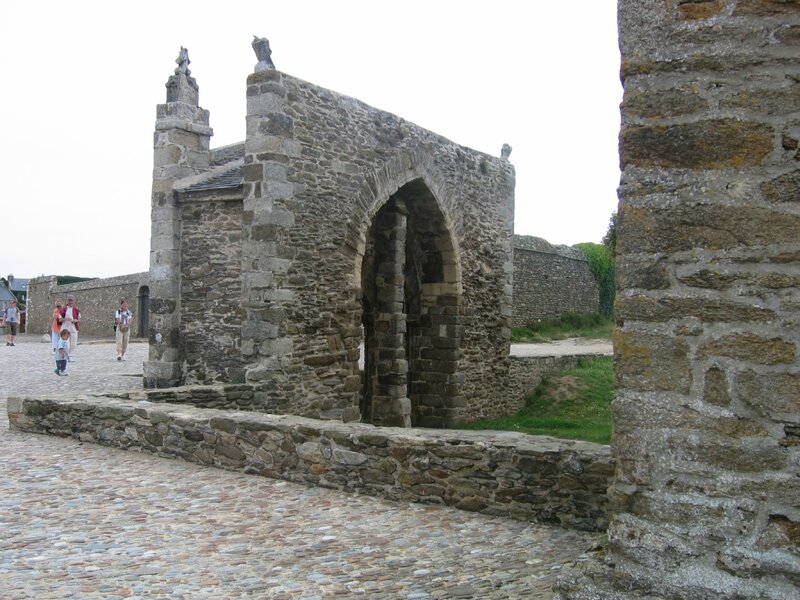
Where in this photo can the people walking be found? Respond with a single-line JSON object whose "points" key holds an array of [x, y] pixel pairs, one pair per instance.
{"points": [[11, 319], [123, 319], [55, 326], [70, 321]]}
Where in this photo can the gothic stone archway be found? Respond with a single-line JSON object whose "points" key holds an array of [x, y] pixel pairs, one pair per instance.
{"points": [[410, 287]]}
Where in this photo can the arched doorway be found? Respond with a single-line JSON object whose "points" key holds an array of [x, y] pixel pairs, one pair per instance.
{"points": [[410, 282], [143, 306]]}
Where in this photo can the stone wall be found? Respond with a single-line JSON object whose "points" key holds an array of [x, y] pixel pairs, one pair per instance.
{"points": [[550, 281], [525, 477], [97, 299], [211, 320], [706, 496]]}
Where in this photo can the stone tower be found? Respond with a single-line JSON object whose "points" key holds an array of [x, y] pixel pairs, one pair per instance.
{"points": [[181, 149]]}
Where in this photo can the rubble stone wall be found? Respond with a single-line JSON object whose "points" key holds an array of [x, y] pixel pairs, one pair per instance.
{"points": [[550, 281], [211, 316], [98, 299], [525, 477], [706, 497]]}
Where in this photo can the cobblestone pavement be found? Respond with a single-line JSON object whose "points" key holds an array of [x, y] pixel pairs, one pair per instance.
{"points": [[85, 521]]}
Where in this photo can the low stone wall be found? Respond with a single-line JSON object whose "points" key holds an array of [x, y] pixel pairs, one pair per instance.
{"points": [[499, 473]]}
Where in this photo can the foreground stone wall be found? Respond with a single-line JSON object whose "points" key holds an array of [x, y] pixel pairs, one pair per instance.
{"points": [[525, 477], [707, 412], [97, 299], [550, 281]]}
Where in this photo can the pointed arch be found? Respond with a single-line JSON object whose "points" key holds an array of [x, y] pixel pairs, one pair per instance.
{"points": [[408, 284]]}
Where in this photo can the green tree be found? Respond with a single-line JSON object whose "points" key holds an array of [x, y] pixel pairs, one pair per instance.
{"points": [[610, 238], [603, 265]]}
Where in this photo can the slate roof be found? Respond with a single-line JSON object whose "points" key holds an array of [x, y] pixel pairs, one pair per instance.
{"points": [[5, 293], [230, 179], [19, 285]]}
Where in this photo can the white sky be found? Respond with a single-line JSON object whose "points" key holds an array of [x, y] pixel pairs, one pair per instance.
{"points": [[79, 82]]}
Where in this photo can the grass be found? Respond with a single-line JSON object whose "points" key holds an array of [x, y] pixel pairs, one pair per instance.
{"points": [[573, 404], [568, 325]]}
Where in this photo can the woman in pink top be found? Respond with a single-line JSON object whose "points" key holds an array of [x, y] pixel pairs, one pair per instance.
{"points": [[55, 327]]}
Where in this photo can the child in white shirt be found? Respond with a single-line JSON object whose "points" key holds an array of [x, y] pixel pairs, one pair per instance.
{"points": [[62, 352]]}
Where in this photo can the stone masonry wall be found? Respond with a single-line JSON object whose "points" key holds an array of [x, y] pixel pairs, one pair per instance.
{"points": [[499, 473], [707, 412], [318, 167], [97, 299], [211, 317], [550, 281]]}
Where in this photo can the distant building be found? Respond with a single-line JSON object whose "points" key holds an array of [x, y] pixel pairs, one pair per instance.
{"points": [[18, 287], [5, 294], [12, 288]]}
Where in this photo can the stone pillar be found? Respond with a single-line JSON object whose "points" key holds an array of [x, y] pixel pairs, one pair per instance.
{"points": [[269, 214], [390, 403], [181, 149], [706, 494]]}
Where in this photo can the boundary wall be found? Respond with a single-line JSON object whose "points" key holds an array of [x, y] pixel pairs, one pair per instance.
{"points": [[97, 299], [550, 280]]}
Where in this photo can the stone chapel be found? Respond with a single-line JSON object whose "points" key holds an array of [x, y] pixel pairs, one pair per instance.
{"points": [[341, 261]]}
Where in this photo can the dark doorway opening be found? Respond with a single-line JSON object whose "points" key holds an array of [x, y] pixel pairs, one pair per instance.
{"points": [[411, 316]]}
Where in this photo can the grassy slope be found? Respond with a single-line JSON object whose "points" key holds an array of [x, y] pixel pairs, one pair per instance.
{"points": [[573, 404]]}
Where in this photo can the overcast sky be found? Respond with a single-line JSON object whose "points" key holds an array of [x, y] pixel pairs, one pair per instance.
{"points": [[81, 80]]}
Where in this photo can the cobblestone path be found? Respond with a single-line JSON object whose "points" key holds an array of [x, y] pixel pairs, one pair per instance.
{"points": [[84, 521]]}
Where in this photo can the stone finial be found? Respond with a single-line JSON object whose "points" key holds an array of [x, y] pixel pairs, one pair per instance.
{"points": [[183, 62], [505, 151], [263, 53], [181, 87]]}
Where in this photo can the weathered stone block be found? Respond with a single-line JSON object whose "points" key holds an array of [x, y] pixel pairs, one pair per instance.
{"points": [[651, 362], [276, 124], [776, 396], [785, 188], [645, 308], [645, 274], [663, 103], [762, 8], [789, 35], [694, 10], [766, 101], [750, 347], [710, 144], [681, 227], [715, 388]]}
